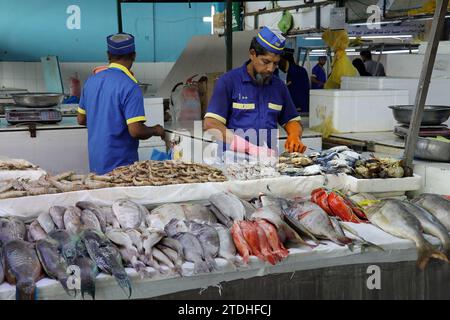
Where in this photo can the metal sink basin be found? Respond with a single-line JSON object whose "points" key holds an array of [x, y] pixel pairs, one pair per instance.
{"points": [[432, 150], [38, 100], [432, 115]]}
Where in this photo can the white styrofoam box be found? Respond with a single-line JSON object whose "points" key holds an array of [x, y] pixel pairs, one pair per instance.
{"points": [[443, 48], [356, 110], [154, 111], [383, 185], [438, 92], [410, 65]]}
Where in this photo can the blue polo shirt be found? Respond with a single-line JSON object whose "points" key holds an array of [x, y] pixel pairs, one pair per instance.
{"points": [[320, 75], [239, 103], [111, 100], [297, 81]]}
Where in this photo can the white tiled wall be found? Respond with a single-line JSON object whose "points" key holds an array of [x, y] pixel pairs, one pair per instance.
{"points": [[28, 75]]}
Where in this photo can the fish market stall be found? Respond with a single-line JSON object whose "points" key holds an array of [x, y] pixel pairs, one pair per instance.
{"points": [[165, 235]]}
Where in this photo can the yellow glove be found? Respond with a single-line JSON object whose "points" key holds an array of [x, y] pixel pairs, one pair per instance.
{"points": [[293, 142]]}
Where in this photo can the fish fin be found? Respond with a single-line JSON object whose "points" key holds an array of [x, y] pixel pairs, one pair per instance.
{"points": [[427, 252], [211, 262], [124, 282], [299, 228], [26, 291]]}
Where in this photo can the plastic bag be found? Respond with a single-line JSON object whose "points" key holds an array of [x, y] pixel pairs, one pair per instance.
{"points": [[186, 102], [341, 66], [286, 22]]}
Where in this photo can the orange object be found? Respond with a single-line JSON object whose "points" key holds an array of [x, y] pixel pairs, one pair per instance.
{"points": [[251, 237], [273, 239], [99, 69], [341, 209], [240, 243], [266, 251], [293, 142]]}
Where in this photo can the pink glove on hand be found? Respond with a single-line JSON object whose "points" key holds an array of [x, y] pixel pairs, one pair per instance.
{"points": [[239, 144]]}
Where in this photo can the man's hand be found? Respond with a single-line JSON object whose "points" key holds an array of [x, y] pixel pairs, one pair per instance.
{"points": [[159, 131], [294, 144]]}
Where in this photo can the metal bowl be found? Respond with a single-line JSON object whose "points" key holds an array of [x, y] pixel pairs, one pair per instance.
{"points": [[432, 150], [432, 115], [38, 100]]}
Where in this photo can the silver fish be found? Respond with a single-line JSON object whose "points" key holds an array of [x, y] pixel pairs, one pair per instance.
{"points": [[317, 221], [128, 213], [437, 206], [392, 217], [57, 215], [161, 216], [193, 251], [173, 244], [89, 220], [46, 222], [36, 232], [86, 205], [229, 205], [430, 224], [110, 217], [130, 258], [227, 249], [198, 212], [136, 239], [176, 226], [162, 258], [209, 239], [72, 220], [285, 232], [173, 255], [120, 238], [150, 237]]}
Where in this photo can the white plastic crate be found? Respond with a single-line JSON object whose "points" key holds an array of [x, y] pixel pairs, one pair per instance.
{"points": [[383, 185], [356, 110]]}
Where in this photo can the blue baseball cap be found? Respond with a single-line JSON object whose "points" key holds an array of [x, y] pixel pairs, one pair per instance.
{"points": [[120, 44], [272, 40]]}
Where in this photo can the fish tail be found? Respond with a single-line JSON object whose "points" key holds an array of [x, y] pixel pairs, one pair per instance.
{"points": [[211, 262], [26, 291], [70, 293], [425, 253], [201, 267], [88, 285], [124, 282]]}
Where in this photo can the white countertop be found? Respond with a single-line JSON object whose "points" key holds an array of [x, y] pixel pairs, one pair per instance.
{"points": [[66, 123]]}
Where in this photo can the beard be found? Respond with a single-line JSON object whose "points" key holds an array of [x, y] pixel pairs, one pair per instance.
{"points": [[262, 78]]}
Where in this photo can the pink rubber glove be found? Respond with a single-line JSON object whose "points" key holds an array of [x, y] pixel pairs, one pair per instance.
{"points": [[239, 144]]}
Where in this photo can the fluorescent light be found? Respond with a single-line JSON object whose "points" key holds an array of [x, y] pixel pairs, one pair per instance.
{"points": [[401, 36], [375, 23], [396, 51]]}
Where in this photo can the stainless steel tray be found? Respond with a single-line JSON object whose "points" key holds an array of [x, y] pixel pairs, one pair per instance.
{"points": [[38, 100], [432, 115], [432, 150]]}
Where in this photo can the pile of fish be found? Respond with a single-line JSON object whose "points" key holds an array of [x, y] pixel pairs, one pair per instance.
{"points": [[381, 168], [16, 164], [250, 171], [146, 173], [340, 159], [107, 239], [428, 213]]}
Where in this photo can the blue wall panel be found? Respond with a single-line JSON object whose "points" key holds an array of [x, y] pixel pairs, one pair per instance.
{"points": [[30, 29]]}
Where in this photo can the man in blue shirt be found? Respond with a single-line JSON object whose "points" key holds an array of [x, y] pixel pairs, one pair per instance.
{"points": [[112, 107], [319, 77], [249, 102], [297, 81]]}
